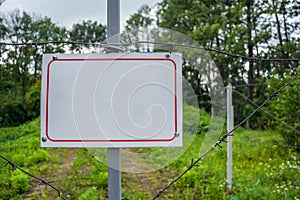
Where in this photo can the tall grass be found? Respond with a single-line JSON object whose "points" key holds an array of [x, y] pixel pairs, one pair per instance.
{"points": [[262, 168]]}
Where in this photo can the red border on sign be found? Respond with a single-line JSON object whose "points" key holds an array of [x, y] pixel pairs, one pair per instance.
{"points": [[111, 59]]}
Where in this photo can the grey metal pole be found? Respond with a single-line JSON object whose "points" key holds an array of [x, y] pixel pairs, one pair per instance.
{"points": [[113, 20], [114, 154], [230, 120]]}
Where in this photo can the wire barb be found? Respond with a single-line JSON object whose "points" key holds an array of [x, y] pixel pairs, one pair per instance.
{"points": [[219, 143]]}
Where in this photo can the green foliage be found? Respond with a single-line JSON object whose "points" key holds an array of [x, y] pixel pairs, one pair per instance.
{"points": [[88, 177], [88, 32], [195, 120], [191, 119], [286, 109], [21, 145], [138, 23], [141, 19], [262, 169], [20, 68], [38, 156], [133, 195], [33, 100], [12, 113], [20, 182], [255, 28], [91, 194]]}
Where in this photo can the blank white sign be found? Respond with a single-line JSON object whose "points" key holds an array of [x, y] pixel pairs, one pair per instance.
{"points": [[111, 100]]}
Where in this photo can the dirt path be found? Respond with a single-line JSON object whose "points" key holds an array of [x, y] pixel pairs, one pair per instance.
{"points": [[148, 182], [67, 157]]}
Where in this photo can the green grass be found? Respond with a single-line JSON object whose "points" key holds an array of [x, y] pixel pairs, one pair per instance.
{"points": [[261, 168], [21, 145], [88, 178]]}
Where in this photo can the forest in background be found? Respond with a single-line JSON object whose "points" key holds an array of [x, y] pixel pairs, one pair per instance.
{"points": [[265, 29]]}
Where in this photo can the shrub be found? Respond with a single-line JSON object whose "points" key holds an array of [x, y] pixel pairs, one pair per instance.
{"points": [[20, 182], [90, 194], [286, 107]]}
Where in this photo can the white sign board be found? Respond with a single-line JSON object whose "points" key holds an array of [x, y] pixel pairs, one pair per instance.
{"points": [[111, 100]]}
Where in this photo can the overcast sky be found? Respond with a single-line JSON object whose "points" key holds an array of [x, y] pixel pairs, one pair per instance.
{"points": [[68, 12]]}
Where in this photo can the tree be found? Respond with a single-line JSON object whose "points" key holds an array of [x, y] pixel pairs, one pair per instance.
{"points": [[139, 23], [286, 26], [286, 107], [86, 32], [250, 28], [21, 67]]}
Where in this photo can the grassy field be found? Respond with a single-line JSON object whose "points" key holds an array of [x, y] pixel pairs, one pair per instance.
{"points": [[262, 169]]}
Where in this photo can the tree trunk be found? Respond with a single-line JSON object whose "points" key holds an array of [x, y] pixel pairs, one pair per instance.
{"points": [[284, 12], [280, 40], [250, 50], [24, 89]]}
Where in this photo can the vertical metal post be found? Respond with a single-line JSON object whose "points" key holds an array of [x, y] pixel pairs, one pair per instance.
{"points": [[114, 174], [230, 120], [113, 20], [114, 154]]}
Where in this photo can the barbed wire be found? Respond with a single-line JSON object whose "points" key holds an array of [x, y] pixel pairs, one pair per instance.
{"points": [[172, 47], [42, 180], [252, 59], [224, 137], [288, 146], [30, 44], [260, 84], [130, 43], [49, 42], [255, 84]]}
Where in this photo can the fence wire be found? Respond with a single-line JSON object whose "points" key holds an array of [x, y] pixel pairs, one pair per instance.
{"points": [[224, 137], [267, 112], [130, 43], [172, 45], [42, 180]]}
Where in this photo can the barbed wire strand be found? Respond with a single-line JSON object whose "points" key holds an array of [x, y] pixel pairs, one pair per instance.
{"points": [[286, 146], [223, 138], [260, 84], [42, 180], [130, 43], [173, 45], [267, 112], [253, 59]]}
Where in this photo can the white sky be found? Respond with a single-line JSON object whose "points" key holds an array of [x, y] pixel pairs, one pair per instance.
{"points": [[67, 12]]}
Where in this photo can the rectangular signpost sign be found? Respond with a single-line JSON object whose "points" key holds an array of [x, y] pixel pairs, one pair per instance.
{"points": [[111, 100]]}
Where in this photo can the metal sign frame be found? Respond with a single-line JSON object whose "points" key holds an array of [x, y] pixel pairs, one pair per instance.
{"points": [[70, 61]]}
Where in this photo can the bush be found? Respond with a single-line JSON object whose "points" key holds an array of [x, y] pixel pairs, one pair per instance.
{"points": [[20, 182], [194, 121], [286, 107], [39, 156], [12, 114], [90, 194]]}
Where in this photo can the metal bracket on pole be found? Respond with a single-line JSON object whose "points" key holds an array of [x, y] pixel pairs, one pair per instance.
{"points": [[230, 120], [114, 154]]}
